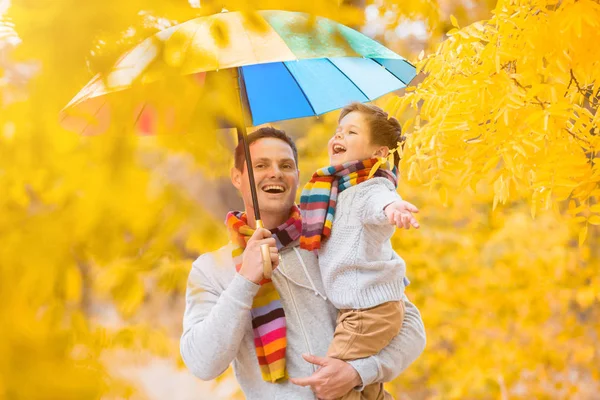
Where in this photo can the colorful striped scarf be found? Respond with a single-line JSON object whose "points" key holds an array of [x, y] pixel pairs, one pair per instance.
{"points": [[268, 318], [319, 197]]}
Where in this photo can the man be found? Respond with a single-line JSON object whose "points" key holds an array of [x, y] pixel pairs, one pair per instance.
{"points": [[274, 330]]}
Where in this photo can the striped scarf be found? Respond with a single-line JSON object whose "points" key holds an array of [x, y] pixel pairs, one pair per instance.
{"points": [[319, 197], [268, 318]]}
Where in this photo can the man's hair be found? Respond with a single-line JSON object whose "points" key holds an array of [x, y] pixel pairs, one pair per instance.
{"points": [[266, 132], [385, 130]]}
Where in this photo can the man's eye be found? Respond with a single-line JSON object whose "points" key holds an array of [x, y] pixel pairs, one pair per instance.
{"points": [[288, 166], [259, 166]]}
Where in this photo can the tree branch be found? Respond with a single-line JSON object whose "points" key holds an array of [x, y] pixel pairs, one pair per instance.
{"points": [[577, 137], [519, 84], [541, 103]]}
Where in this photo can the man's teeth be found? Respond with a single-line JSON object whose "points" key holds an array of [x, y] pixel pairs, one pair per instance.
{"points": [[274, 188]]}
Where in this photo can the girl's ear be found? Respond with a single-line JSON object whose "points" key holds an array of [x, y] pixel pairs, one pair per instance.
{"points": [[383, 151]]}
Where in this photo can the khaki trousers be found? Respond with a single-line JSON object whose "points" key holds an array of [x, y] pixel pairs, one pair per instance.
{"points": [[363, 333]]}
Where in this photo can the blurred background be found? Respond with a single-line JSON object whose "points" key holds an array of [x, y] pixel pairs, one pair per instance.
{"points": [[98, 233]]}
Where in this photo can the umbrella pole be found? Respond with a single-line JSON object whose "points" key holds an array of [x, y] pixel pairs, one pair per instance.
{"points": [[242, 138]]}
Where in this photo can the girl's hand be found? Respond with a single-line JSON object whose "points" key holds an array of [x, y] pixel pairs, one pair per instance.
{"points": [[400, 213]]}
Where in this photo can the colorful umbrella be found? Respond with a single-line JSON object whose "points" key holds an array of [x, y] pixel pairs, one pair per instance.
{"points": [[285, 65]]}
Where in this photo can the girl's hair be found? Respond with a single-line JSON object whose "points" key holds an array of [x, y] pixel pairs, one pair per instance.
{"points": [[385, 130]]}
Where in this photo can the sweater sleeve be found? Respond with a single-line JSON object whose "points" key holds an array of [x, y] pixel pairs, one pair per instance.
{"points": [[376, 194], [402, 351], [215, 320]]}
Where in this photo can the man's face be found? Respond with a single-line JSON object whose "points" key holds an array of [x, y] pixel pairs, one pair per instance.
{"points": [[275, 175]]}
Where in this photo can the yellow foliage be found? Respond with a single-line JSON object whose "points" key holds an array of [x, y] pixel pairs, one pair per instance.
{"points": [[98, 233], [513, 101]]}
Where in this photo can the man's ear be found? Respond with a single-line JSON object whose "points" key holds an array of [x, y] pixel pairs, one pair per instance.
{"points": [[383, 151], [236, 178]]}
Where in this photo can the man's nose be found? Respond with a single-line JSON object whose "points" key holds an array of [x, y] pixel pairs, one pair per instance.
{"points": [[276, 172]]}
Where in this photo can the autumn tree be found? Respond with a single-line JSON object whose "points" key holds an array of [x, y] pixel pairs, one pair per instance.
{"points": [[98, 233]]}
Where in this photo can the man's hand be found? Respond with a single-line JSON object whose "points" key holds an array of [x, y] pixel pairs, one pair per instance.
{"points": [[399, 213], [252, 263], [333, 379]]}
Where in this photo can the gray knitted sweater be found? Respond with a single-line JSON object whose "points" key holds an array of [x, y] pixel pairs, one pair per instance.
{"points": [[359, 267], [217, 327]]}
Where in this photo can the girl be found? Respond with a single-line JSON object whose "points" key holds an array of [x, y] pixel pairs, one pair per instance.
{"points": [[363, 276]]}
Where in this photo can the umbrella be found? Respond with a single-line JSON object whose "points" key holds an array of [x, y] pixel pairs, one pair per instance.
{"points": [[284, 65]]}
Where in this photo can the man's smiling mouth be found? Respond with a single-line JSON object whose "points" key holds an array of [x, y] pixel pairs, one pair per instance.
{"points": [[273, 189]]}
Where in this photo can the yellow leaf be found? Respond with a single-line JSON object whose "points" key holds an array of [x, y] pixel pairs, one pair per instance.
{"points": [[454, 21], [73, 284], [594, 220], [583, 235], [376, 167], [390, 160], [585, 297], [443, 192], [129, 297], [392, 105], [572, 208]]}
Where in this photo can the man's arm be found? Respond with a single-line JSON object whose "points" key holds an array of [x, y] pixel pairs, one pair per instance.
{"points": [[402, 351], [335, 378], [214, 323]]}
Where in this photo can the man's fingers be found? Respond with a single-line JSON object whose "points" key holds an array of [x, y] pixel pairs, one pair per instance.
{"points": [[261, 233], [274, 259], [322, 361], [308, 381], [270, 241]]}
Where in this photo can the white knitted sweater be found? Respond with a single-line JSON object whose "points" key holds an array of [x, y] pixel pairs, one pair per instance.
{"points": [[359, 267]]}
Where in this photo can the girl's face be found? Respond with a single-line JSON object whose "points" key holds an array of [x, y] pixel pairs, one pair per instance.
{"points": [[352, 140]]}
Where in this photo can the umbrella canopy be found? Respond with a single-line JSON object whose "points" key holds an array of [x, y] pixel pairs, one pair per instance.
{"points": [[290, 65], [285, 65]]}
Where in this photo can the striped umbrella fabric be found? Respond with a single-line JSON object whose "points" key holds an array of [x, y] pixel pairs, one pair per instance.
{"points": [[291, 64], [294, 89]]}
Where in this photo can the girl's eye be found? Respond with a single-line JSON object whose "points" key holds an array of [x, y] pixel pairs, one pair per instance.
{"points": [[353, 133]]}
